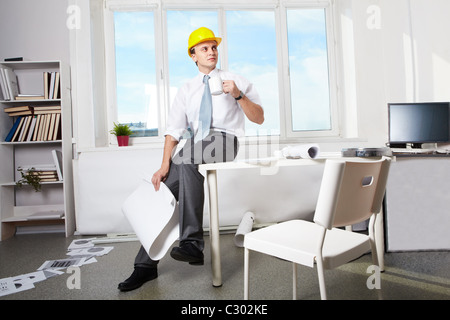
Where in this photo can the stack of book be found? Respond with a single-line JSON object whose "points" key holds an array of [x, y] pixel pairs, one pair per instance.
{"points": [[47, 172], [38, 123]]}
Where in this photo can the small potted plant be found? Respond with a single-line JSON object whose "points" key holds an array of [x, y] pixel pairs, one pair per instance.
{"points": [[29, 177], [122, 132]]}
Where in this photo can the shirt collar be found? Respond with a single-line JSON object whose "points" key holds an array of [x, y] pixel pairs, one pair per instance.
{"points": [[213, 73]]}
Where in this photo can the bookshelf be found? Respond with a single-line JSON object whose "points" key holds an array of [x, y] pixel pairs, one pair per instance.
{"points": [[43, 87]]}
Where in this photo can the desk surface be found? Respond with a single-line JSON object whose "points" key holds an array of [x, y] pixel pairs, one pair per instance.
{"points": [[275, 162], [260, 163]]}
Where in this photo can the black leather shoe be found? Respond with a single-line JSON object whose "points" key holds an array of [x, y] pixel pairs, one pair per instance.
{"points": [[187, 252], [138, 278]]}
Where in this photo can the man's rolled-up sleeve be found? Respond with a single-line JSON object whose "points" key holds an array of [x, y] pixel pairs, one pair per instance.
{"points": [[177, 122]]}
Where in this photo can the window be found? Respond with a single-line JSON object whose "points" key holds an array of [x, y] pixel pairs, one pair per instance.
{"points": [[137, 99], [282, 50], [308, 70], [252, 52]]}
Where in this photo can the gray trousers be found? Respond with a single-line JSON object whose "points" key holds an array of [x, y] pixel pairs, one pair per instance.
{"points": [[187, 185]]}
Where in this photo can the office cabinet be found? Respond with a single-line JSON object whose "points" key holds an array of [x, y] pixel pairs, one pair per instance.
{"points": [[418, 204]]}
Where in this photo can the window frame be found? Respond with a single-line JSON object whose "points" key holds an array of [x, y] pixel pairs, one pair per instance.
{"points": [[280, 9], [112, 6], [332, 72]]}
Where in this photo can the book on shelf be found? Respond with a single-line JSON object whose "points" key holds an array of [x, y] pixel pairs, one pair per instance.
{"points": [[21, 113], [10, 87], [57, 84], [47, 111], [46, 215], [31, 130], [46, 176], [57, 159], [56, 131], [3, 87], [46, 84], [11, 110], [47, 172], [18, 129], [8, 83], [20, 97], [45, 108], [13, 130], [25, 110], [25, 127], [38, 123], [51, 85], [49, 179], [14, 59]]}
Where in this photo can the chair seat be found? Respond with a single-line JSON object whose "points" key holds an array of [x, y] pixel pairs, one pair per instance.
{"points": [[297, 241]]}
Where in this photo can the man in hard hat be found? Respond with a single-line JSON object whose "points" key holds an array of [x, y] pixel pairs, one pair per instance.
{"points": [[213, 140]]}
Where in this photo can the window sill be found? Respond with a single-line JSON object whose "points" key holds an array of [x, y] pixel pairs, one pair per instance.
{"points": [[260, 141]]}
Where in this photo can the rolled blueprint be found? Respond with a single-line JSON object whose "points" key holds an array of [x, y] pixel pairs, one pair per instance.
{"points": [[153, 216], [244, 227], [304, 151]]}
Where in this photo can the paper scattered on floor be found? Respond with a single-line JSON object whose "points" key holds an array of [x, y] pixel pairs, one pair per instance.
{"points": [[81, 252], [62, 263], [25, 281], [7, 286], [81, 243], [94, 251]]}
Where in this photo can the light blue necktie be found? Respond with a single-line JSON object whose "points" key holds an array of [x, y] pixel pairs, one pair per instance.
{"points": [[204, 117]]}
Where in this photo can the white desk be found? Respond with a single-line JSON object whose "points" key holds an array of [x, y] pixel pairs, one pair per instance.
{"points": [[267, 166]]}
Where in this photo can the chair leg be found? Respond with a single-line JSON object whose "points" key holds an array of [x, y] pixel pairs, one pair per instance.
{"points": [[294, 281], [246, 267], [321, 276], [373, 240]]}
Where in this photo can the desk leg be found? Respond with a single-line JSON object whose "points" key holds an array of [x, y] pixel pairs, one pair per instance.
{"points": [[379, 238], [211, 177]]}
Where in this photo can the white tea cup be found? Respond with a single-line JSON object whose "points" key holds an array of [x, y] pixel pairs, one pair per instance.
{"points": [[215, 85]]}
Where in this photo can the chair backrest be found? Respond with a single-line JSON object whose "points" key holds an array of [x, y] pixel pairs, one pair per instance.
{"points": [[351, 191]]}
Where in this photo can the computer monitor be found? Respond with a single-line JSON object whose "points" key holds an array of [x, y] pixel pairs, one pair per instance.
{"points": [[417, 123]]}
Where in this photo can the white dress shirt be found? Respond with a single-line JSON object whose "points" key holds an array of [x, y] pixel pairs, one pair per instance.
{"points": [[227, 114]]}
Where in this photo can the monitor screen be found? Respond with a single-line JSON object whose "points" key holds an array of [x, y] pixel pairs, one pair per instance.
{"points": [[419, 122]]}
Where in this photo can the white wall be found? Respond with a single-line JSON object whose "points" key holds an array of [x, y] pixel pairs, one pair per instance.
{"points": [[35, 30], [416, 50], [401, 55]]}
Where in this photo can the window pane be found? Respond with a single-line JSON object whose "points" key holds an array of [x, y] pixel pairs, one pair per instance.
{"points": [[252, 53], [308, 67], [180, 25], [137, 100]]}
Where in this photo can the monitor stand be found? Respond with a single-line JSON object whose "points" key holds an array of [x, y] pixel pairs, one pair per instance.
{"points": [[410, 146], [414, 145], [397, 145]]}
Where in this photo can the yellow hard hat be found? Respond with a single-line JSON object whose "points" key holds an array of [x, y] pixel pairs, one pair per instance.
{"points": [[201, 35]]}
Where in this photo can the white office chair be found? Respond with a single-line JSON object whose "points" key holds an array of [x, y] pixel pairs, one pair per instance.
{"points": [[351, 192]]}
